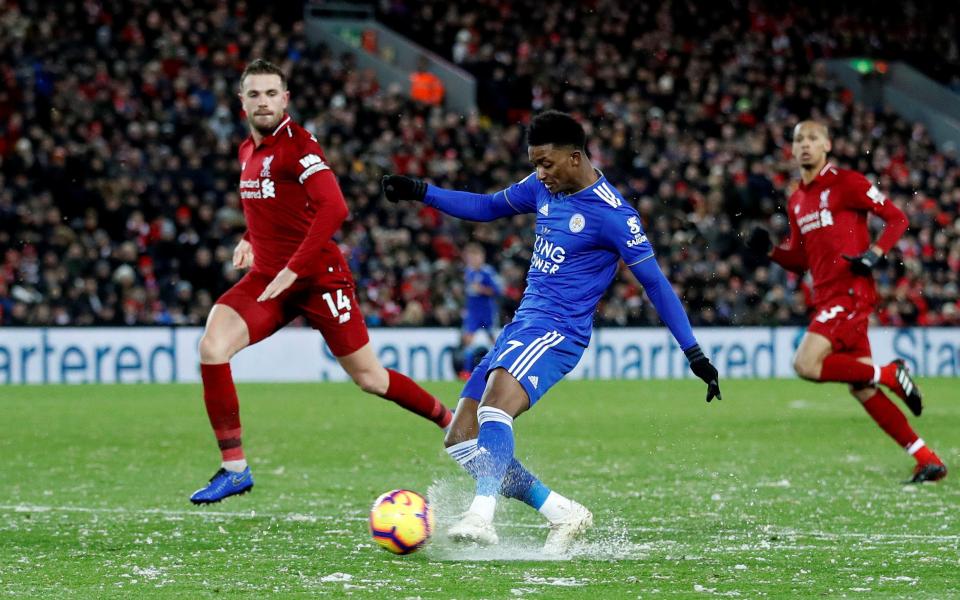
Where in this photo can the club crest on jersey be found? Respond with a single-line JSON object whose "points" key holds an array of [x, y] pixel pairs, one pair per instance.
{"points": [[265, 167], [824, 198], [577, 223]]}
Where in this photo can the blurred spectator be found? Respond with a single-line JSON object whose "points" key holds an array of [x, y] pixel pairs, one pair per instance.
{"points": [[119, 128], [426, 87]]}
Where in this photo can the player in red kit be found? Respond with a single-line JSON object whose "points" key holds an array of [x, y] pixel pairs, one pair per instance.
{"points": [[293, 206], [829, 237]]}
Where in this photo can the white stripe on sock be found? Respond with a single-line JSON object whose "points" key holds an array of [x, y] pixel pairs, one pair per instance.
{"points": [[915, 447], [487, 414], [464, 452], [538, 355]]}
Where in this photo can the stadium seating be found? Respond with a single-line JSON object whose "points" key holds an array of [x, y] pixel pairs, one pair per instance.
{"points": [[118, 200]]}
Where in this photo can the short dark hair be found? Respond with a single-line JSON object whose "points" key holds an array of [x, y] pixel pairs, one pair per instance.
{"points": [[260, 66], [557, 128]]}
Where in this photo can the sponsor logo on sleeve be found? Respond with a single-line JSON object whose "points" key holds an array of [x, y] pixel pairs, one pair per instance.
{"points": [[311, 164], [636, 231], [876, 195]]}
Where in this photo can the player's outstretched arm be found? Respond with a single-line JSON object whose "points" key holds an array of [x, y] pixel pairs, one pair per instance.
{"points": [[463, 205], [671, 311]]}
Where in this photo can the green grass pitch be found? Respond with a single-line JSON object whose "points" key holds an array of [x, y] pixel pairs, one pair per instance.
{"points": [[782, 489]]}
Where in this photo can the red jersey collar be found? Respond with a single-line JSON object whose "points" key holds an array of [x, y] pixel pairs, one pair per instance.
{"points": [[826, 168], [271, 139]]}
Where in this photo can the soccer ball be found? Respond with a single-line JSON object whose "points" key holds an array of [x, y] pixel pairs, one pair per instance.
{"points": [[401, 521]]}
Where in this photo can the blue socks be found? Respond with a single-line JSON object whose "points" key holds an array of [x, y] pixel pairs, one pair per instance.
{"points": [[495, 443], [511, 480]]}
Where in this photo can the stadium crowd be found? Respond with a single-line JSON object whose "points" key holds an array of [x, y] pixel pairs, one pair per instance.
{"points": [[118, 201]]}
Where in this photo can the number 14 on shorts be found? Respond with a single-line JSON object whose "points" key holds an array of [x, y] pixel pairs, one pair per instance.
{"points": [[341, 308]]}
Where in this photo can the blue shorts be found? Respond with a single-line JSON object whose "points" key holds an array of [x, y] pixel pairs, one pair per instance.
{"points": [[534, 352], [472, 323]]}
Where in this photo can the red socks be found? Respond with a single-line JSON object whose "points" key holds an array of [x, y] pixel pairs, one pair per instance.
{"points": [[405, 392], [223, 408], [891, 419], [845, 368]]}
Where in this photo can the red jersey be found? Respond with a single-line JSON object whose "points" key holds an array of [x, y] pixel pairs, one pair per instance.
{"points": [[828, 218], [292, 202]]}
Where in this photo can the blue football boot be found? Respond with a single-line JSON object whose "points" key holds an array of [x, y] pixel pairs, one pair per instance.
{"points": [[222, 485]]}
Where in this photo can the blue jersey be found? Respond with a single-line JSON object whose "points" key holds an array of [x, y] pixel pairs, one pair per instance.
{"points": [[481, 309], [580, 239]]}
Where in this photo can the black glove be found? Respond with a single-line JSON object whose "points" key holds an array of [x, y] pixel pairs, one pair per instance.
{"points": [[863, 264], [398, 187], [759, 242], [702, 368]]}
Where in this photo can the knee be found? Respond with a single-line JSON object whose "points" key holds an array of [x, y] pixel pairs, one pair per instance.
{"points": [[214, 349], [806, 368], [372, 381]]}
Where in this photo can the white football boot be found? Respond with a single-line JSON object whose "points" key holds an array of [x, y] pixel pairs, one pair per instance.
{"points": [[564, 531], [473, 528]]}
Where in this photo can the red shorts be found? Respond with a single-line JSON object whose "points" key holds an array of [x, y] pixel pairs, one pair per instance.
{"points": [[844, 322], [327, 301]]}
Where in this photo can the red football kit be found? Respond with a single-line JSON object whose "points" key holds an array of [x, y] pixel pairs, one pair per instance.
{"points": [[293, 206], [828, 219]]}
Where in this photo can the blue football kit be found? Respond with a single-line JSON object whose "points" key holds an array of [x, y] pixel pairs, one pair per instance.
{"points": [[580, 239], [481, 309]]}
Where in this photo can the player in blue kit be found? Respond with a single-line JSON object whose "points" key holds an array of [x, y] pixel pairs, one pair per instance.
{"points": [[584, 228], [482, 290]]}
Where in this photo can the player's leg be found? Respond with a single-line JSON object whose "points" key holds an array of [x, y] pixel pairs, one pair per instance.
{"points": [[526, 362], [235, 321], [331, 307], [891, 419], [503, 400], [225, 335], [821, 356], [367, 372], [461, 443], [815, 360], [518, 482]]}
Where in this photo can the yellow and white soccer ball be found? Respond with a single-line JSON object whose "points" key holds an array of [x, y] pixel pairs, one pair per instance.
{"points": [[401, 521]]}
